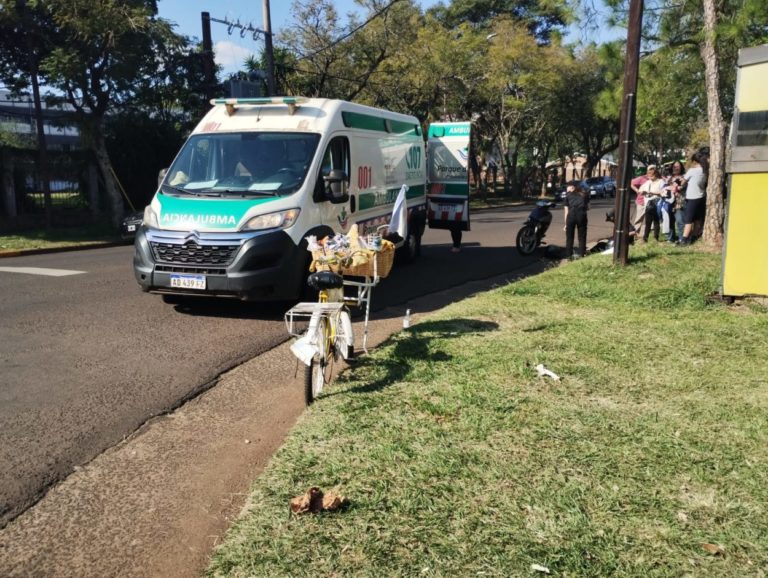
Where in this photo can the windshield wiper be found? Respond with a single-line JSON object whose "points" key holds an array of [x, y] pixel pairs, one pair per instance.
{"points": [[249, 193], [171, 190]]}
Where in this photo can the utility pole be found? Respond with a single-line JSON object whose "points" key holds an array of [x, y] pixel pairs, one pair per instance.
{"points": [[268, 49], [627, 133], [42, 147], [207, 56]]}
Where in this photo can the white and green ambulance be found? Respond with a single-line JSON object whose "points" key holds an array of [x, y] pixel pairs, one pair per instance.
{"points": [[257, 176]]}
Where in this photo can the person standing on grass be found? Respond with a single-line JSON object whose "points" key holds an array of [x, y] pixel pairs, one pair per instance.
{"points": [[576, 207], [676, 184], [664, 209], [652, 189], [639, 217], [695, 197]]}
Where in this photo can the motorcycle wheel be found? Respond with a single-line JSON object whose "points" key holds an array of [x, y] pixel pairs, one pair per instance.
{"points": [[527, 240]]}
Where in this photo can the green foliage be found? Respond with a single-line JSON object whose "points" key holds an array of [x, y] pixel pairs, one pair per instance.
{"points": [[139, 145], [107, 47], [669, 105], [16, 140], [58, 238], [539, 17]]}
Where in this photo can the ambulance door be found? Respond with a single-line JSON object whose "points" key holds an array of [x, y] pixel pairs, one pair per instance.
{"points": [[334, 208], [448, 150]]}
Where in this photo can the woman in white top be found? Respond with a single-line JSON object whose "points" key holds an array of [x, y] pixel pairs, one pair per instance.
{"points": [[653, 189]]}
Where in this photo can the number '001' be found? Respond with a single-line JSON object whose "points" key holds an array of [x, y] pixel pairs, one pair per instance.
{"points": [[364, 177]]}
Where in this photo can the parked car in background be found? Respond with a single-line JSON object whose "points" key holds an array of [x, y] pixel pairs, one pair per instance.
{"points": [[130, 225], [600, 187]]}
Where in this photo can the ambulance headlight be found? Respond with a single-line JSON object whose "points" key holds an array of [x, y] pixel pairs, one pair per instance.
{"points": [[150, 217], [279, 220]]}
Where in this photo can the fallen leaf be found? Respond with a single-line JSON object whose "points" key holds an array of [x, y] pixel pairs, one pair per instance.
{"points": [[311, 501], [332, 502], [682, 517], [714, 549], [539, 568]]}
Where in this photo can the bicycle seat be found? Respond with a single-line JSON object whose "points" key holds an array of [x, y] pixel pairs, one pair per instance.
{"points": [[325, 280]]}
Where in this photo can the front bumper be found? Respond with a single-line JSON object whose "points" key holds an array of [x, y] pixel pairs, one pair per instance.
{"points": [[248, 266]]}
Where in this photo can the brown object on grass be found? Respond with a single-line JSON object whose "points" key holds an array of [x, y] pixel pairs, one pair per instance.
{"points": [[314, 501], [333, 502]]}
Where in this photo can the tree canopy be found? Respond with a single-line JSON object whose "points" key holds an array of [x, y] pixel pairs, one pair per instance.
{"points": [[504, 64]]}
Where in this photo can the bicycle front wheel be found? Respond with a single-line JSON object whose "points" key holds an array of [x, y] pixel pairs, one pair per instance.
{"points": [[344, 339]]}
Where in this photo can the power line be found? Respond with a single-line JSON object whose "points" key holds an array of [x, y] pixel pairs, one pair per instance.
{"points": [[333, 76], [351, 32]]}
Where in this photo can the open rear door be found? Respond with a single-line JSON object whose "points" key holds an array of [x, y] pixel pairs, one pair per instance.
{"points": [[448, 153]]}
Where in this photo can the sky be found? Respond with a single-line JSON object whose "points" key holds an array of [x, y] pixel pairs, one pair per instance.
{"points": [[231, 50]]}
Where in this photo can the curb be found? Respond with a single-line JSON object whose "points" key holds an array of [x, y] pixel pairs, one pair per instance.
{"points": [[25, 252]]}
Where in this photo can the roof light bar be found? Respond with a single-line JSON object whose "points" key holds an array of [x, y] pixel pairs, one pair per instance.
{"points": [[292, 102]]}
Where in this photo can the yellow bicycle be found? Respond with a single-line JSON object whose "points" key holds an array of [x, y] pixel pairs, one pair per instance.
{"points": [[329, 334]]}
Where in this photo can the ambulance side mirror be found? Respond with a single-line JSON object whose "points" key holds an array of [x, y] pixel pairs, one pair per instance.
{"points": [[336, 186], [161, 175]]}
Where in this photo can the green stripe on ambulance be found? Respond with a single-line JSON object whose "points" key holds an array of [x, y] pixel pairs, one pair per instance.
{"points": [[374, 199], [215, 213]]}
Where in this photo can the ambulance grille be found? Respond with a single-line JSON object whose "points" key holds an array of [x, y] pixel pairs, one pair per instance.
{"points": [[192, 254]]}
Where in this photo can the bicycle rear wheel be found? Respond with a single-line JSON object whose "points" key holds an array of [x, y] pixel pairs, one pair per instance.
{"points": [[314, 379], [315, 373]]}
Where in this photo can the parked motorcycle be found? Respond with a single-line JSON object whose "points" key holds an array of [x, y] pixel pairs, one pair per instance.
{"points": [[535, 228]]}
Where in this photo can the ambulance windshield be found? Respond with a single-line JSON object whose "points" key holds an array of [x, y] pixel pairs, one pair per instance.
{"points": [[243, 164]]}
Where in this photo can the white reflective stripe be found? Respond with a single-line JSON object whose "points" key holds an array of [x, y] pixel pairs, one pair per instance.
{"points": [[40, 271]]}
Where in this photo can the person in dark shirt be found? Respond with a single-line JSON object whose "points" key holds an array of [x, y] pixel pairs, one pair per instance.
{"points": [[576, 207]]}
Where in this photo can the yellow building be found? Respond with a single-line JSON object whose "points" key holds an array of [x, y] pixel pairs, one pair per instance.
{"points": [[745, 255]]}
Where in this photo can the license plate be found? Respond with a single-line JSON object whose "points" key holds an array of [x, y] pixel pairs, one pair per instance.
{"points": [[188, 281], [131, 228], [446, 208]]}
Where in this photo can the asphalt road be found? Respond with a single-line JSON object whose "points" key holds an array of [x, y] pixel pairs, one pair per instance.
{"points": [[88, 358]]}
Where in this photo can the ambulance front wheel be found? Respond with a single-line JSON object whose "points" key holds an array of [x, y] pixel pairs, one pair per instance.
{"points": [[411, 247]]}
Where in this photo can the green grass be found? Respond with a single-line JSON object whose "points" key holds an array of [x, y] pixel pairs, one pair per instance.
{"points": [[54, 238], [59, 199], [459, 460]]}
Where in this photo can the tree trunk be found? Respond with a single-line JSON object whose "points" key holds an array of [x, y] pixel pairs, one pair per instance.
{"points": [[105, 166], [514, 185], [93, 191], [713, 223], [6, 182]]}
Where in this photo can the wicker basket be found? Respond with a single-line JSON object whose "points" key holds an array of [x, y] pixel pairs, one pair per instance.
{"points": [[384, 261], [323, 262]]}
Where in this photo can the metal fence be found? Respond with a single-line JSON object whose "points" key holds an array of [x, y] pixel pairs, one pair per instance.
{"points": [[67, 180]]}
